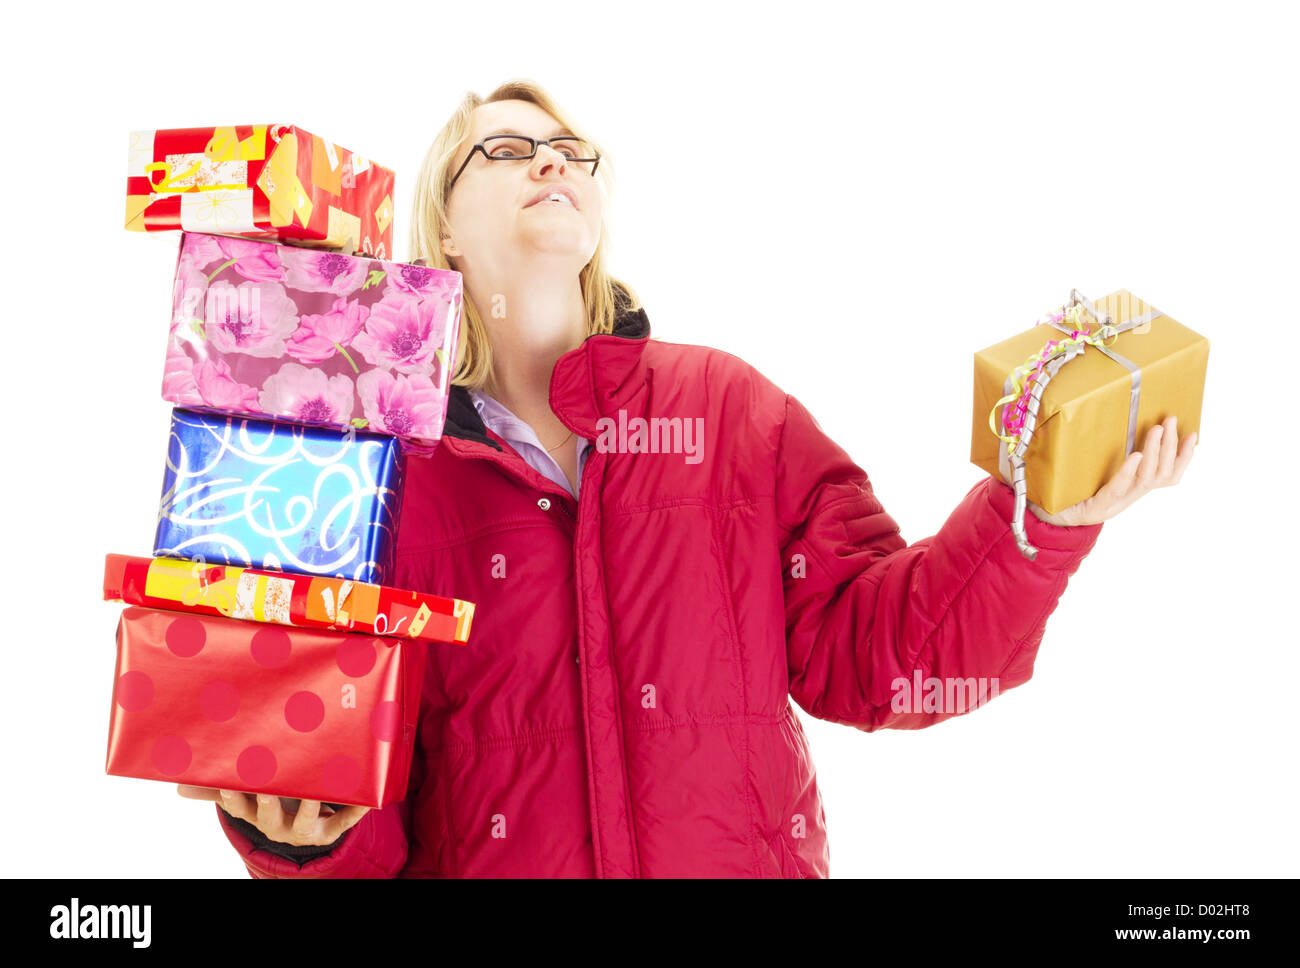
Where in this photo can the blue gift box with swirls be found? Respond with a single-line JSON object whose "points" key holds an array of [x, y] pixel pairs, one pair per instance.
{"points": [[269, 494]]}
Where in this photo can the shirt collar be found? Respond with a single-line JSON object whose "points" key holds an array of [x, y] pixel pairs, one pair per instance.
{"points": [[599, 375]]}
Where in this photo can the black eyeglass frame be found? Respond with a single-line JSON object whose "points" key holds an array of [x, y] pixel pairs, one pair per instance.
{"points": [[520, 137]]}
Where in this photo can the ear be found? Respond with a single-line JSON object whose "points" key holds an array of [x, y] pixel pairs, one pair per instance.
{"points": [[449, 247]]}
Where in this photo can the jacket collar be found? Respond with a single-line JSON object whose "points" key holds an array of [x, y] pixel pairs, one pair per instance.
{"points": [[586, 382]]}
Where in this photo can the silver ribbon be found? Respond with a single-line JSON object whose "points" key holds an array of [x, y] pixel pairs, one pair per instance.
{"points": [[1058, 359]]}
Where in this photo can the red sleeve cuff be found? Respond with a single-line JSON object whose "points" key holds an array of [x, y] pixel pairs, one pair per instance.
{"points": [[1041, 534]]}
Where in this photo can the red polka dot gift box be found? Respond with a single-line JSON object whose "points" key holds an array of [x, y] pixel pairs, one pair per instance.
{"points": [[294, 712]]}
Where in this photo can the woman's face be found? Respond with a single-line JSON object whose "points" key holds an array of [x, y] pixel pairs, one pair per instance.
{"points": [[495, 220]]}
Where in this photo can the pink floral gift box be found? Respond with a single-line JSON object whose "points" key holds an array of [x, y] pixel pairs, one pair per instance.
{"points": [[313, 336]]}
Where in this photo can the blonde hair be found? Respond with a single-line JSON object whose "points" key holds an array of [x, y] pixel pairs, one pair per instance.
{"points": [[601, 293]]}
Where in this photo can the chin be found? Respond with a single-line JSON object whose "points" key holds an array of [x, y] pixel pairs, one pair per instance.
{"points": [[563, 241]]}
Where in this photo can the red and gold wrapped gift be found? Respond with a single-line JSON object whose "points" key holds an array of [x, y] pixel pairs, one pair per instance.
{"points": [[283, 598], [263, 181], [216, 702]]}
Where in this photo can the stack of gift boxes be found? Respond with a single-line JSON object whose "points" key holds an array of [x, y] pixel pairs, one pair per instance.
{"points": [[263, 648]]}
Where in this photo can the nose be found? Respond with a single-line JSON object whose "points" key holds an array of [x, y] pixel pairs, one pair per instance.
{"points": [[548, 160]]}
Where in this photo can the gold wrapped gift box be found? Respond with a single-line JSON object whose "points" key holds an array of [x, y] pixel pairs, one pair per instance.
{"points": [[1084, 430]]}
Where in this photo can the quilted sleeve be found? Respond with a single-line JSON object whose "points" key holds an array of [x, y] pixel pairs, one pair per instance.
{"points": [[869, 618]]}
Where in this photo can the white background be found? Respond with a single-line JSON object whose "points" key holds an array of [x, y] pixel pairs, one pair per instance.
{"points": [[854, 199]]}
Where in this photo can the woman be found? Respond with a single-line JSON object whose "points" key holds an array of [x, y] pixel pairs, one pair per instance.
{"points": [[649, 595]]}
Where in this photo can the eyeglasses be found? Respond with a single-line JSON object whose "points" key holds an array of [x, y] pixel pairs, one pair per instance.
{"points": [[515, 147]]}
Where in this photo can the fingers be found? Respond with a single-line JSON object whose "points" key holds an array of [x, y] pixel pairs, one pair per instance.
{"points": [[270, 816], [307, 826], [238, 805], [278, 825], [1122, 484], [1126, 476], [1146, 473], [267, 813], [1160, 463], [1185, 453], [306, 823], [1168, 452], [198, 793], [345, 819], [1130, 468], [1170, 459]]}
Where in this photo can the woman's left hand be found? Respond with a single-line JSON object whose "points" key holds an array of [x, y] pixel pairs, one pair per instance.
{"points": [[1160, 464]]}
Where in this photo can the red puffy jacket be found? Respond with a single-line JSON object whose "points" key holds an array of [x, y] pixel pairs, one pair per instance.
{"points": [[622, 708]]}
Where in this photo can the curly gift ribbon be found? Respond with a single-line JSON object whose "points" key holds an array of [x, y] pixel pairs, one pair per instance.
{"points": [[1026, 374], [1029, 380]]}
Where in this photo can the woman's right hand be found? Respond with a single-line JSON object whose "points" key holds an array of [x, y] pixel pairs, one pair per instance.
{"points": [[267, 813]]}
